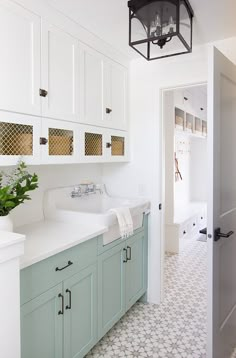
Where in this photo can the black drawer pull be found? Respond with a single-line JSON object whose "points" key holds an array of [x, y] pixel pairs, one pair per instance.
{"points": [[62, 304], [194, 224], [125, 259], [63, 268], [184, 233], [68, 307], [129, 258]]}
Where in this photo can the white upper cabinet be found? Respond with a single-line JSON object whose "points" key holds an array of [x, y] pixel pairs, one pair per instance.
{"points": [[104, 91], [20, 59], [60, 74], [91, 86], [115, 96]]}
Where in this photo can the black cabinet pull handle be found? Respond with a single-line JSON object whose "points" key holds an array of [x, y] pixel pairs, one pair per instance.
{"points": [[108, 145], [43, 92], [63, 268], [108, 110], [125, 259], [184, 232], [194, 224], [68, 307], [43, 141], [130, 252], [62, 304]]}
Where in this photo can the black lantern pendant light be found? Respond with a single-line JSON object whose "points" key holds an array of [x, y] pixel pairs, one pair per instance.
{"points": [[160, 28]]}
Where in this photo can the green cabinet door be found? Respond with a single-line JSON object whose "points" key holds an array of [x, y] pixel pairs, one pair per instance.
{"points": [[80, 319], [136, 268], [111, 299], [42, 326]]}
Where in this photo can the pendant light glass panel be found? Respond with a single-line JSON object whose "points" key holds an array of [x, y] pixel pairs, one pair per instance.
{"points": [[185, 23]]}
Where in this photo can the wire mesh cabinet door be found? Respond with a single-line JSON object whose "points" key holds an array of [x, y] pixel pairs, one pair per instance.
{"points": [[19, 138], [117, 145], [92, 144], [59, 142]]}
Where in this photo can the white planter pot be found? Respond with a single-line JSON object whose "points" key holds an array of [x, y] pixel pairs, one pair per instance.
{"points": [[6, 223]]}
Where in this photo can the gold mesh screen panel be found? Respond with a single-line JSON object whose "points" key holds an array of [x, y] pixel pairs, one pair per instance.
{"points": [[60, 141], [117, 145], [16, 139], [93, 144]]}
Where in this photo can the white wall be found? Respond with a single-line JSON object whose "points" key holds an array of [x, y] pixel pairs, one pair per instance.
{"points": [[49, 177], [144, 174], [198, 169]]}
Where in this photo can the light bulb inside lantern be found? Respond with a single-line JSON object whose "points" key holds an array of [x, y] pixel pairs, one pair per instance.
{"points": [[171, 24]]}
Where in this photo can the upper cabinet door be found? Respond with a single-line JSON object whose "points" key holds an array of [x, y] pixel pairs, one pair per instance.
{"points": [[20, 59], [119, 96], [92, 86], [115, 96], [60, 74]]}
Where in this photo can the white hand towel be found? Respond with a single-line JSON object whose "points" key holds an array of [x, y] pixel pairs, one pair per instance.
{"points": [[125, 221]]}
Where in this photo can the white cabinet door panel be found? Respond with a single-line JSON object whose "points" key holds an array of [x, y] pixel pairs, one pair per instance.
{"points": [[20, 59], [60, 74], [92, 86], [119, 94]]}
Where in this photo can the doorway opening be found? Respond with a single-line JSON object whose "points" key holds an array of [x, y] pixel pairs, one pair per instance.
{"points": [[185, 217]]}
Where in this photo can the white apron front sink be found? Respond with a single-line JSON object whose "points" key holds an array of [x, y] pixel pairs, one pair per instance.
{"points": [[92, 209]]}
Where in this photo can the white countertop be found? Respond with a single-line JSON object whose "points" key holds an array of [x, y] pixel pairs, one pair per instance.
{"points": [[48, 238], [9, 238]]}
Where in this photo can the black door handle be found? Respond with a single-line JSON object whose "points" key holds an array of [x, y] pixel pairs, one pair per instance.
{"points": [[219, 235], [129, 258], [125, 259], [68, 307], [62, 304], [63, 268]]}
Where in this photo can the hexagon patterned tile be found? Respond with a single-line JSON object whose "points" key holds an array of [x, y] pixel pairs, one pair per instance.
{"points": [[176, 328]]}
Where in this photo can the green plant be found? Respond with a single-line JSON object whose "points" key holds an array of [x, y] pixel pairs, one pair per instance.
{"points": [[14, 187]]}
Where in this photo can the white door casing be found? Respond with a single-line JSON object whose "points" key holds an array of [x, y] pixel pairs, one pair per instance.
{"points": [[221, 206]]}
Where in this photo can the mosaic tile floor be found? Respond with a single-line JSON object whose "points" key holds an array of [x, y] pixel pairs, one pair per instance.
{"points": [[176, 328]]}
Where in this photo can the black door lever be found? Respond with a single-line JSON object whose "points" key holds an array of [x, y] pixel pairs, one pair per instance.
{"points": [[219, 235]]}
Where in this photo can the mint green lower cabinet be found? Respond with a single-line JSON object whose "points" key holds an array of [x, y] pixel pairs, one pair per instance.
{"points": [[93, 294], [80, 319], [42, 326], [136, 278], [111, 293]]}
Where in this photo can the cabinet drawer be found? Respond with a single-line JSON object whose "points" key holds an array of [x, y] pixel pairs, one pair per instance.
{"points": [[45, 274], [194, 225], [183, 230], [202, 220]]}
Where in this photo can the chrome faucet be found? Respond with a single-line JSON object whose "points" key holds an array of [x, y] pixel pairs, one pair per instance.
{"points": [[76, 192], [85, 189]]}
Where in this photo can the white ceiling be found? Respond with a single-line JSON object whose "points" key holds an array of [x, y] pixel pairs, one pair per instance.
{"points": [[108, 19]]}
